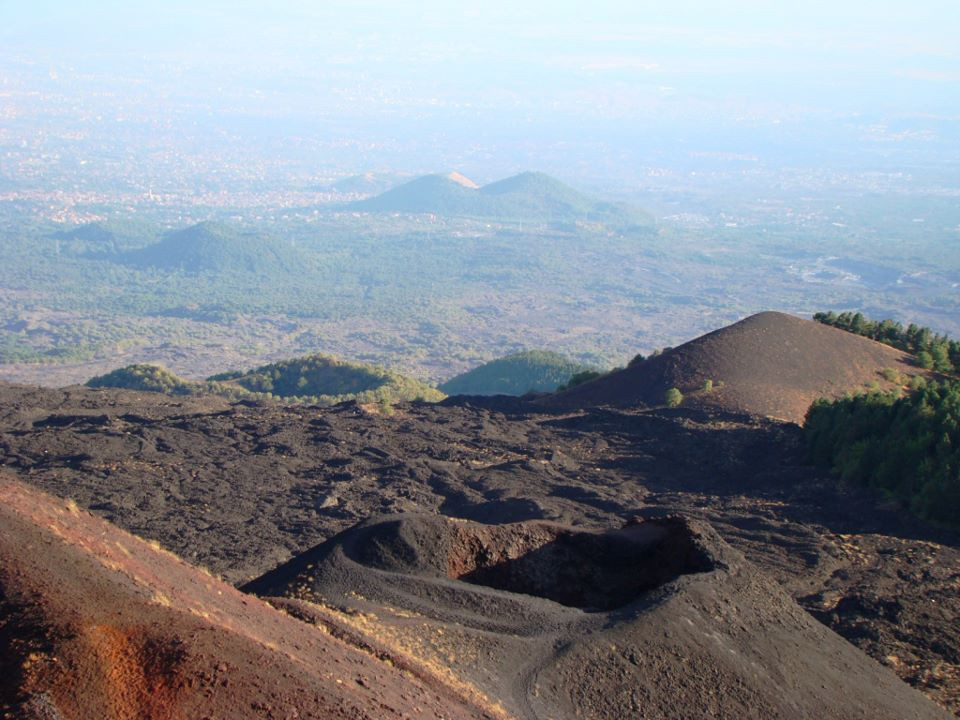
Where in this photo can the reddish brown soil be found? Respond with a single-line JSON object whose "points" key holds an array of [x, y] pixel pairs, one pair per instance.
{"points": [[769, 364], [97, 623]]}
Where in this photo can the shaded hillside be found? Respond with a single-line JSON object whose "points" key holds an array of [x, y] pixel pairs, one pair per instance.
{"points": [[211, 247], [528, 196], [517, 374], [658, 619], [97, 623], [770, 364]]}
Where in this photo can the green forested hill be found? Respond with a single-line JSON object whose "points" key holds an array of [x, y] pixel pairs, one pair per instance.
{"points": [[523, 372], [153, 378], [427, 194], [104, 239], [317, 379], [535, 194], [213, 247], [331, 380], [527, 196]]}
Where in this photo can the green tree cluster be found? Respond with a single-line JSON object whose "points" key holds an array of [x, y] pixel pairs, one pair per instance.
{"points": [[933, 351], [325, 380], [673, 397], [313, 379], [148, 378], [907, 446], [153, 378]]}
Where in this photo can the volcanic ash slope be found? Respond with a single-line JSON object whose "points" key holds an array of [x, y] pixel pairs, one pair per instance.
{"points": [[771, 364], [660, 619]]}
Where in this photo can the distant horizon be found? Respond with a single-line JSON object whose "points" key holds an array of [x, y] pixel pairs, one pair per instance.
{"points": [[844, 85]]}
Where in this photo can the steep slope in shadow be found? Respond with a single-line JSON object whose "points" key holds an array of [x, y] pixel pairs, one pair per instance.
{"points": [[96, 623], [770, 364], [659, 619]]}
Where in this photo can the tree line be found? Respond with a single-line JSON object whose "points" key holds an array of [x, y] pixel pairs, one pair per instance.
{"points": [[932, 351], [907, 446]]}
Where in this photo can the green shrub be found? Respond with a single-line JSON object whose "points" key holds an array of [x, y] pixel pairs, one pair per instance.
{"points": [[673, 397], [892, 375]]}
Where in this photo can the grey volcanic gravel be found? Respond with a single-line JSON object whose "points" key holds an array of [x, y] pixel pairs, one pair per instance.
{"points": [[240, 488], [658, 619]]}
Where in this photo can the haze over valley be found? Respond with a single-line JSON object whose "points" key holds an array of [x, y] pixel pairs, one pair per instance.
{"points": [[796, 193]]}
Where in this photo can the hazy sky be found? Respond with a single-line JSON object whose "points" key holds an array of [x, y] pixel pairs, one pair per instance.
{"points": [[855, 44], [891, 67]]}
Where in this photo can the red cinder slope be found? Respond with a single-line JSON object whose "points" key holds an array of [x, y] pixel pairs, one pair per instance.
{"points": [[96, 623]]}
